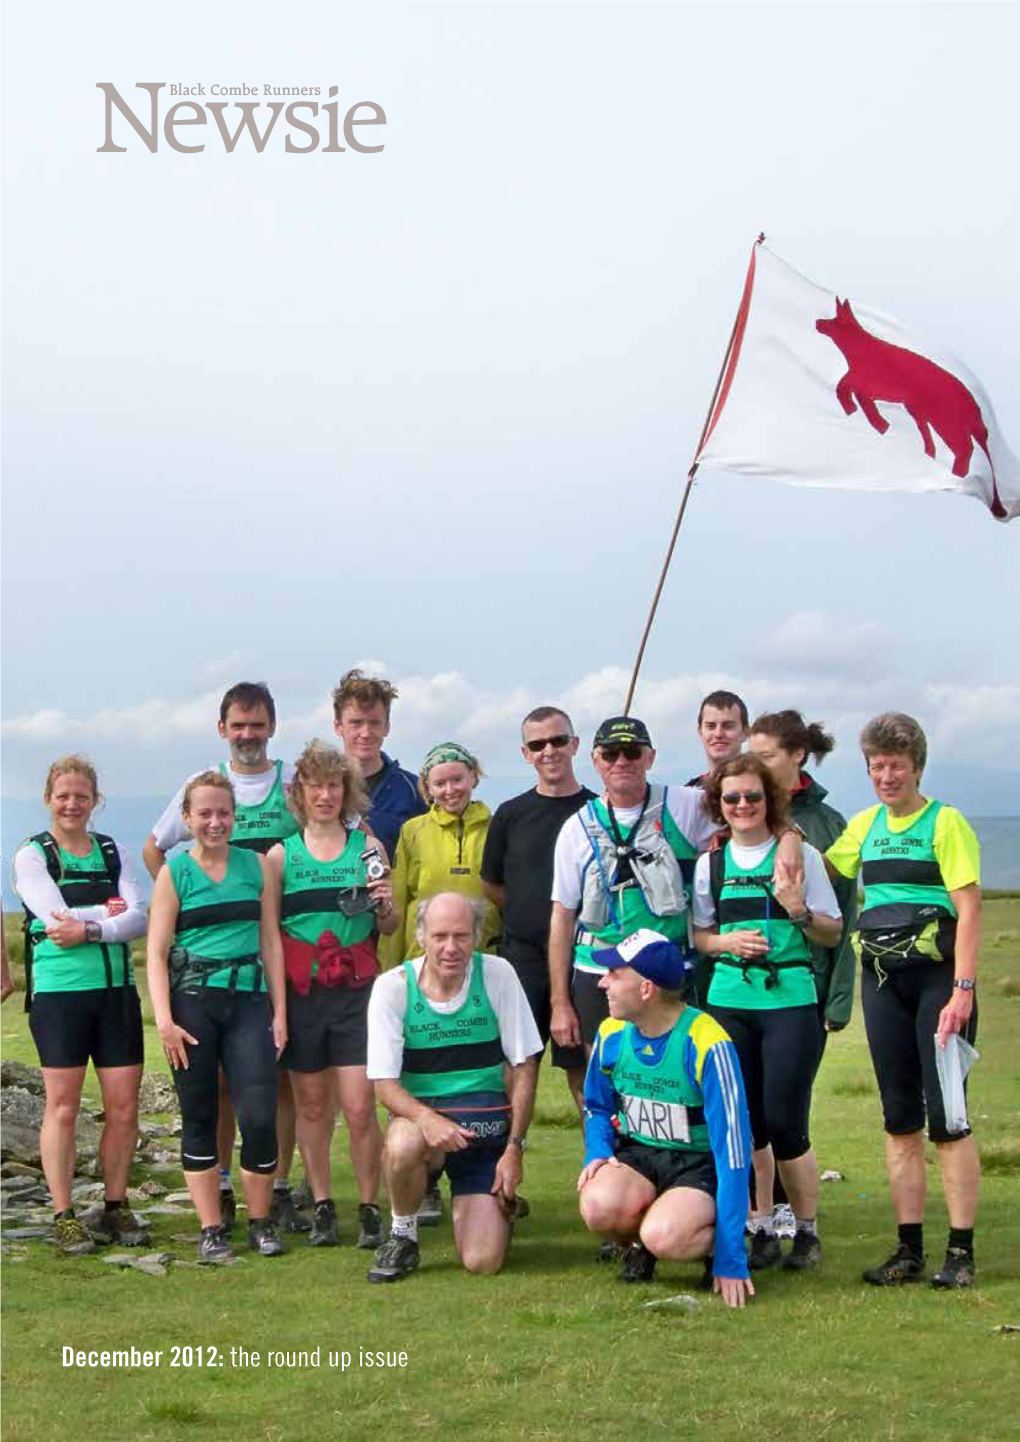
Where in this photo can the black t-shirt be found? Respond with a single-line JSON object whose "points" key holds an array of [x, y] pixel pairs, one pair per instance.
{"points": [[519, 856]]}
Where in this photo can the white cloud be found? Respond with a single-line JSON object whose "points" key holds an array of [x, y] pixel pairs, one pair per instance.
{"points": [[829, 644]]}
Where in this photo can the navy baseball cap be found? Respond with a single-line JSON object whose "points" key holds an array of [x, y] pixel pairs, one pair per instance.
{"points": [[622, 731], [651, 955]]}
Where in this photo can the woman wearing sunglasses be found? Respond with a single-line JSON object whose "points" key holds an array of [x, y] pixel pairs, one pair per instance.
{"points": [[763, 993], [442, 850]]}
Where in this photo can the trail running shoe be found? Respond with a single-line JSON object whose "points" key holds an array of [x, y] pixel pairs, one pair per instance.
{"points": [[369, 1227], [956, 1271], [119, 1226], [784, 1223], [285, 1214], [764, 1251], [71, 1237], [608, 1253], [903, 1266], [638, 1264], [213, 1245], [325, 1232], [228, 1208], [397, 1258], [430, 1213], [263, 1237], [806, 1252]]}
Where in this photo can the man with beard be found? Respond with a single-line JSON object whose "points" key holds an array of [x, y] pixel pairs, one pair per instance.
{"points": [[247, 724]]}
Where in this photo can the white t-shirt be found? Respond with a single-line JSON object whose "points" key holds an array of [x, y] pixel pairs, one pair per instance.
{"points": [[387, 1008], [685, 804], [39, 892], [170, 830], [818, 893]]}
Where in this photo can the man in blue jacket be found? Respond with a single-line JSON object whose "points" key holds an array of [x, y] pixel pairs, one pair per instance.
{"points": [[667, 1134], [361, 718]]}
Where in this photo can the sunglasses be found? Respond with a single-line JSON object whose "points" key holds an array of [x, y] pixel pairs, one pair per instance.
{"points": [[629, 753], [558, 742], [734, 798]]}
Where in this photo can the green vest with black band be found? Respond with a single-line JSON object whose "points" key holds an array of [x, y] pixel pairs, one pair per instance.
{"points": [[450, 1054], [311, 891], [904, 890], [784, 976], [658, 1105], [260, 827], [84, 881], [657, 902], [218, 921]]}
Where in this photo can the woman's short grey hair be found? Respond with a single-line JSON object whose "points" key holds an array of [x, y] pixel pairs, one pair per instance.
{"points": [[893, 733], [477, 915]]}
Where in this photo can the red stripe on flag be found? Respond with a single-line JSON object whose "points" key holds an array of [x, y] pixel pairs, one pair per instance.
{"points": [[734, 356]]}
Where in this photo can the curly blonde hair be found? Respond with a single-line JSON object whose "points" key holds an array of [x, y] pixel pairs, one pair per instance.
{"points": [[323, 763]]}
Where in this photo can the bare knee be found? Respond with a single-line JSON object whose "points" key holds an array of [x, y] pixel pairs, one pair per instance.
{"points": [[361, 1119], [602, 1215], [404, 1145], [482, 1258]]}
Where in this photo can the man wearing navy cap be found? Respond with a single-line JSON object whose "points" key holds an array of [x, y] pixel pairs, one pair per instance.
{"points": [[667, 1133]]}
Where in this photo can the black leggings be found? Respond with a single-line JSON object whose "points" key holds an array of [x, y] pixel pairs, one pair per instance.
{"points": [[779, 1052], [233, 1031], [900, 1018]]}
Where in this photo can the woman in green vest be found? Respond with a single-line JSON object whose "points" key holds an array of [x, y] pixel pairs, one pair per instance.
{"points": [[216, 984], [335, 898], [919, 929], [763, 992], [442, 850], [83, 908]]}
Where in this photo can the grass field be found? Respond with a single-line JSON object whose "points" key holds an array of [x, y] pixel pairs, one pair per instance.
{"points": [[555, 1347]]}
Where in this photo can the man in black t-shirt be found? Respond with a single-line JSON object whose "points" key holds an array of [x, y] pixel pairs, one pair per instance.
{"points": [[517, 866]]}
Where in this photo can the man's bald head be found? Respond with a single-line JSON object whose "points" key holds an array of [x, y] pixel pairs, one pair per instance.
{"points": [[446, 912]]}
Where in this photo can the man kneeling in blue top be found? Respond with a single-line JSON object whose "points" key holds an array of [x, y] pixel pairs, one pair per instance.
{"points": [[667, 1133]]}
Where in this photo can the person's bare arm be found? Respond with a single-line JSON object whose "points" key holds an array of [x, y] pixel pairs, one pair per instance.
{"points": [[438, 1131], [163, 914], [565, 1027], [956, 1013], [271, 950], [495, 893], [154, 859], [521, 1084]]}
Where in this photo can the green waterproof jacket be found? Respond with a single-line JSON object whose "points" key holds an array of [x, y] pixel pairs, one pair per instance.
{"points": [[834, 966]]}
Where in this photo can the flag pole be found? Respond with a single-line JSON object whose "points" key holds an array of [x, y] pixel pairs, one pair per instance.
{"points": [[686, 496]]}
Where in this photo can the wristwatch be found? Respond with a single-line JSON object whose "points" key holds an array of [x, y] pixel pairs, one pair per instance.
{"points": [[804, 918], [964, 983], [93, 931], [521, 1142]]}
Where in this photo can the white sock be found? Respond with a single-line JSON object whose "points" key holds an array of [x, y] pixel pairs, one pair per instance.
{"points": [[405, 1227], [807, 1224]]}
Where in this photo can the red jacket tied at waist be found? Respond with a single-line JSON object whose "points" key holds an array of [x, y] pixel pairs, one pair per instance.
{"points": [[338, 965]]}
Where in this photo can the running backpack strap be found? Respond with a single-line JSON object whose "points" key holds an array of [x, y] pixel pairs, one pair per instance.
{"points": [[47, 844], [591, 833], [716, 876], [111, 856]]}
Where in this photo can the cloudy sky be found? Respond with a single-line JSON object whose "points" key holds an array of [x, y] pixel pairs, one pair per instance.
{"points": [[270, 415]]}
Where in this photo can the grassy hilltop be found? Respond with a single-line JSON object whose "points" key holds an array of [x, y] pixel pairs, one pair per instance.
{"points": [[555, 1347]]}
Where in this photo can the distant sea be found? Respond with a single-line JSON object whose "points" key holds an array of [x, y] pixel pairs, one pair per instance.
{"points": [[130, 819]]}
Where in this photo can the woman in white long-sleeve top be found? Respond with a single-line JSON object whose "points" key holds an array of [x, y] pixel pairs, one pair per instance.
{"points": [[83, 908]]}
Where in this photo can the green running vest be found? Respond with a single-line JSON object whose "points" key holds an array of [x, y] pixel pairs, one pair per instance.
{"points": [[784, 977], [908, 915], [260, 827], [219, 921], [311, 890], [448, 1054], [84, 881], [608, 916], [658, 1104]]}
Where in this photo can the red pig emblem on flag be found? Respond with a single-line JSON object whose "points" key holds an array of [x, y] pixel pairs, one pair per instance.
{"points": [[775, 414], [933, 398]]}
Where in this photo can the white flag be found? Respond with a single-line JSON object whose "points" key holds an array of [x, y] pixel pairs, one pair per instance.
{"points": [[824, 391]]}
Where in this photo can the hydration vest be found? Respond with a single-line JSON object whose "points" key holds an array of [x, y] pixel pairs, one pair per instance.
{"points": [[653, 848], [221, 935], [449, 1054], [77, 887], [658, 1104], [908, 915], [740, 897], [260, 827]]}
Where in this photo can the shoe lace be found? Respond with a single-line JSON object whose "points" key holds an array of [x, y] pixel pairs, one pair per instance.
{"points": [[69, 1229]]}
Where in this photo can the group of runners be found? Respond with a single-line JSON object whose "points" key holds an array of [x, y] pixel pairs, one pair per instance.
{"points": [[343, 933]]}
